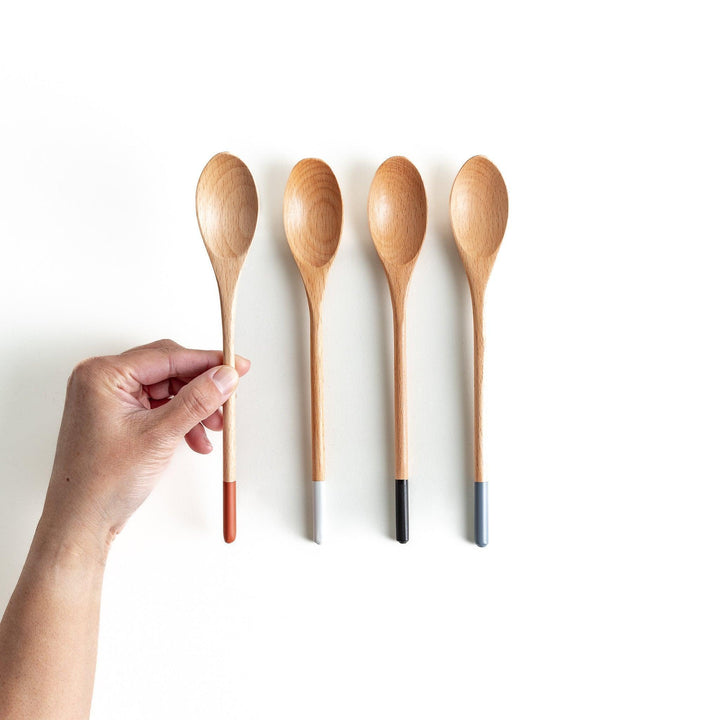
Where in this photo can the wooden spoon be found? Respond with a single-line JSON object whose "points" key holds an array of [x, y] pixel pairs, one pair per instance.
{"points": [[313, 214], [478, 213], [226, 203], [397, 211]]}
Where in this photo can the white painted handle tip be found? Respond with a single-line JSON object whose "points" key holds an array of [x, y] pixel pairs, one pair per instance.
{"points": [[318, 487]]}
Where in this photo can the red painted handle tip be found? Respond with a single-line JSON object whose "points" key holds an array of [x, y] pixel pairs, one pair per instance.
{"points": [[229, 520]]}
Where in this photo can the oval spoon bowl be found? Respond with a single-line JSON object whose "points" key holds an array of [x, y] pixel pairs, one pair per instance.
{"points": [[312, 213], [397, 211], [226, 203], [478, 208]]}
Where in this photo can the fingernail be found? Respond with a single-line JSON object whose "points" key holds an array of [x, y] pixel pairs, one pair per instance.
{"points": [[225, 378]]}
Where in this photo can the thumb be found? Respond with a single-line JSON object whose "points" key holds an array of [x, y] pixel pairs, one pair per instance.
{"points": [[197, 400]]}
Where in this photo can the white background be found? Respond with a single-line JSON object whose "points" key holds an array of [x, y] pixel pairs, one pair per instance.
{"points": [[597, 596]]}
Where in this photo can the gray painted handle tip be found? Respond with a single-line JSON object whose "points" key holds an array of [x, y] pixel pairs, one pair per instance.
{"points": [[481, 514]]}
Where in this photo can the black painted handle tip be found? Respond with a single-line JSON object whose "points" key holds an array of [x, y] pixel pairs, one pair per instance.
{"points": [[401, 511]]}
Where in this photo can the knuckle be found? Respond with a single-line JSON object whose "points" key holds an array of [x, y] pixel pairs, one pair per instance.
{"points": [[168, 348], [164, 344], [88, 371]]}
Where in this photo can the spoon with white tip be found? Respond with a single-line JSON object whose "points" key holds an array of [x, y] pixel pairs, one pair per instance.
{"points": [[312, 214]]}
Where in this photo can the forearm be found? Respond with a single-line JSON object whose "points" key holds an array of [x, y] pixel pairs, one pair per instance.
{"points": [[48, 635], [124, 415]]}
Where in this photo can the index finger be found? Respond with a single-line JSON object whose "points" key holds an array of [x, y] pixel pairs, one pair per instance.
{"points": [[149, 365]]}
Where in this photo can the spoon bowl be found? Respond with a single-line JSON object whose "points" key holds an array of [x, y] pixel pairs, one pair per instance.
{"points": [[226, 203], [478, 209], [312, 213], [397, 212]]}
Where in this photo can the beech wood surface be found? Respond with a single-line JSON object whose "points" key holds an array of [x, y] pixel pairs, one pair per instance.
{"points": [[313, 215], [478, 214], [226, 204], [397, 213]]}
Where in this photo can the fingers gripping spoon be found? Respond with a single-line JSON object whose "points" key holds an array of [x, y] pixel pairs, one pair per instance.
{"points": [[227, 208], [397, 212], [312, 214], [478, 213]]}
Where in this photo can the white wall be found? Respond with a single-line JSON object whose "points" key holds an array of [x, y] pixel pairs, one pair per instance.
{"points": [[597, 596]]}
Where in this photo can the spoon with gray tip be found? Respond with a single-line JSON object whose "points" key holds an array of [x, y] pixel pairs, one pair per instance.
{"points": [[478, 214]]}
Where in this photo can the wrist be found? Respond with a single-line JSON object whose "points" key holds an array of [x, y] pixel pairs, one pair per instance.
{"points": [[64, 541]]}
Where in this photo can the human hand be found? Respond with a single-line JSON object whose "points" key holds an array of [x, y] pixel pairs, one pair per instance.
{"points": [[124, 416]]}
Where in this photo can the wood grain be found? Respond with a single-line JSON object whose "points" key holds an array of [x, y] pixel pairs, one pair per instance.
{"points": [[478, 214], [226, 204], [397, 214], [312, 215]]}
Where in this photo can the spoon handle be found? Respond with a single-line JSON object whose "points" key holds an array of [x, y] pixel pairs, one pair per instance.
{"points": [[318, 424], [227, 306], [481, 505], [401, 454]]}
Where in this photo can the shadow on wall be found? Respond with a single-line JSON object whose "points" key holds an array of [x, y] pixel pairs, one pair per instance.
{"points": [[438, 184], [33, 395], [355, 197], [273, 181]]}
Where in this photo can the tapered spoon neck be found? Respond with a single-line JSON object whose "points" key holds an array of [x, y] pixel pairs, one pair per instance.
{"points": [[478, 304], [227, 317], [398, 284], [227, 287], [398, 310], [315, 305], [477, 276]]}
